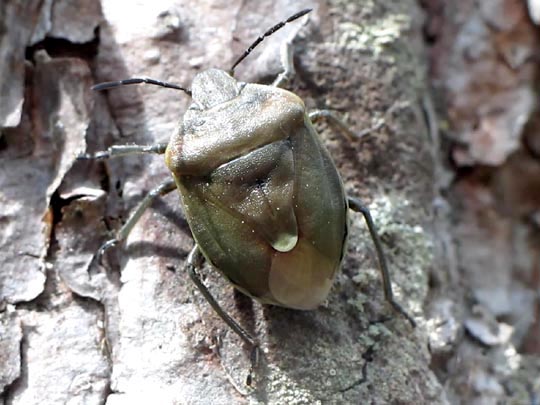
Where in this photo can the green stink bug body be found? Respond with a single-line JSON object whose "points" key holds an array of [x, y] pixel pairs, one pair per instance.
{"points": [[261, 194]]}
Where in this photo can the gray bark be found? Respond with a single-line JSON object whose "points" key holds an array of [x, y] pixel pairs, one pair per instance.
{"points": [[485, 70], [135, 331]]}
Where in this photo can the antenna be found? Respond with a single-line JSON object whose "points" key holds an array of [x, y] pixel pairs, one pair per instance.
{"points": [[138, 80], [267, 34]]}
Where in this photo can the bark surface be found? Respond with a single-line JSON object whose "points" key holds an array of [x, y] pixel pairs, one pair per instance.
{"points": [[135, 330]]}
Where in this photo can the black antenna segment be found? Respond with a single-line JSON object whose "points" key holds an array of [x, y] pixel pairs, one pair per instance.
{"points": [[267, 34], [138, 80]]}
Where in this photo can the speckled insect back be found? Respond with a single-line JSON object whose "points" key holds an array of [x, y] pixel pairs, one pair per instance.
{"points": [[262, 196]]}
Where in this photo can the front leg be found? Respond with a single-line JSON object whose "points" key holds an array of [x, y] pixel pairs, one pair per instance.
{"points": [[286, 57], [124, 150], [317, 115]]}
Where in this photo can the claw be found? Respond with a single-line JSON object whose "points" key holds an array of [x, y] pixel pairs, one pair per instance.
{"points": [[84, 156], [399, 309], [94, 156], [254, 359], [103, 248]]}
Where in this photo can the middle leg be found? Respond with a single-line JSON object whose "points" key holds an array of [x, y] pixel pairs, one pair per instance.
{"points": [[161, 190]]}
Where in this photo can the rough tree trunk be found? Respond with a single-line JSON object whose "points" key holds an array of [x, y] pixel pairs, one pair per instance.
{"points": [[484, 66], [135, 331]]}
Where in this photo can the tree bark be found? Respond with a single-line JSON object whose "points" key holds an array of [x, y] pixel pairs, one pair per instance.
{"points": [[484, 68], [135, 330]]}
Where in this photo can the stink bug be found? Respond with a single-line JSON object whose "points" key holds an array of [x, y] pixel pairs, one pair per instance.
{"points": [[261, 194]]}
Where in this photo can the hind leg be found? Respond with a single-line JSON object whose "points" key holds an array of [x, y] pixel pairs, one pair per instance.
{"points": [[357, 206]]}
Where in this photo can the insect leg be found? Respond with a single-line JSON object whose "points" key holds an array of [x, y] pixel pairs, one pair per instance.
{"points": [[194, 263], [317, 115], [356, 205], [161, 190], [287, 62], [286, 56], [122, 150]]}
